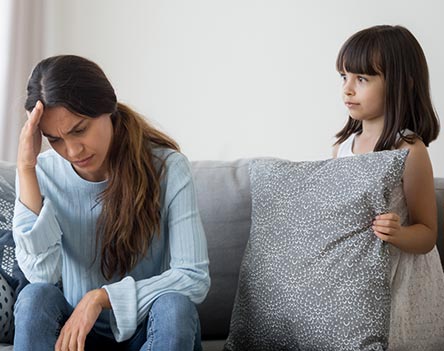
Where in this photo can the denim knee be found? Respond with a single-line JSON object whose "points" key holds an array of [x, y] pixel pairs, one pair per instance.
{"points": [[173, 324], [40, 311], [176, 308], [37, 297], [36, 292]]}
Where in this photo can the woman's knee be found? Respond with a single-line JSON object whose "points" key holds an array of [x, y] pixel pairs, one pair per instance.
{"points": [[173, 320], [36, 296], [177, 308], [40, 311]]}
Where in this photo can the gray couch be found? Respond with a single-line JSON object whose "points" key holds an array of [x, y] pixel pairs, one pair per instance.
{"points": [[223, 191]]}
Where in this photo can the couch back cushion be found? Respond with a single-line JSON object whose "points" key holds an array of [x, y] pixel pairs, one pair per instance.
{"points": [[223, 194]]}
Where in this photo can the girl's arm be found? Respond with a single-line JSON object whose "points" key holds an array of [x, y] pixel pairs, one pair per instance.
{"points": [[420, 236]]}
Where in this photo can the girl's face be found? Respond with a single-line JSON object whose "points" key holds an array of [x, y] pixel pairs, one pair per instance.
{"points": [[363, 95], [84, 142]]}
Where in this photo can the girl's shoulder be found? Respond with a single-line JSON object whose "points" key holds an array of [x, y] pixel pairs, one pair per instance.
{"points": [[418, 157], [412, 143]]}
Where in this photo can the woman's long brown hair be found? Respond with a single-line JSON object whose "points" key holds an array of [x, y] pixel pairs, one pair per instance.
{"points": [[130, 216], [393, 52]]}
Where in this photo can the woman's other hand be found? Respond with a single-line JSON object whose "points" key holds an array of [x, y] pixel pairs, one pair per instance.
{"points": [[73, 334]]}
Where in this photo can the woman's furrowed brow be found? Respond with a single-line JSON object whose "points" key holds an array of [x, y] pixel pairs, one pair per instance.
{"points": [[69, 132]]}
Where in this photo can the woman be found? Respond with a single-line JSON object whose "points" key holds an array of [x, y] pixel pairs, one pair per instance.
{"points": [[110, 212]]}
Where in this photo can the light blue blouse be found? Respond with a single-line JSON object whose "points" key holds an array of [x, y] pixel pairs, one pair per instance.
{"points": [[60, 243]]}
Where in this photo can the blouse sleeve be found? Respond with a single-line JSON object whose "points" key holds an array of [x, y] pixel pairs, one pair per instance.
{"points": [[188, 272], [38, 242]]}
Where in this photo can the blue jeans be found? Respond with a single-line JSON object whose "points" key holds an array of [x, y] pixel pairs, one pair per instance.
{"points": [[41, 310]]}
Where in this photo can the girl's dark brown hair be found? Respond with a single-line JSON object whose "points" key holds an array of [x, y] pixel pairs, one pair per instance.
{"points": [[130, 214], [393, 52]]}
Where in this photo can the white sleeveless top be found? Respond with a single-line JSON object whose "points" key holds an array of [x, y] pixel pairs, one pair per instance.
{"points": [[417, 287]]}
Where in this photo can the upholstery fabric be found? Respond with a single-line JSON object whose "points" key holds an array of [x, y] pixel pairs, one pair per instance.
{"points": [[12, 279], [7, 195], [7, 298], [223, 196], [9, 268], [314, 275], [8, 263]]}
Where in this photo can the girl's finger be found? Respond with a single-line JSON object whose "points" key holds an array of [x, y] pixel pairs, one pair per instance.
{"points": [[382, 236], [389, 216], [386, 223], [386, 230]]}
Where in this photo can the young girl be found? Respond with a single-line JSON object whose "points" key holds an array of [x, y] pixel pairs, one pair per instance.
{"points": [[386, 91], [111, 212]]}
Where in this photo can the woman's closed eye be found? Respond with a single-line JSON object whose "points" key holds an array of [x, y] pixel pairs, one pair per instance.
{"points": [[79, 131], [52, 140]]}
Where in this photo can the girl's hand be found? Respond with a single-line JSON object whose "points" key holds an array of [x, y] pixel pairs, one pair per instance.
{"points": [[387, 227], [30, 142], [73, 334]]}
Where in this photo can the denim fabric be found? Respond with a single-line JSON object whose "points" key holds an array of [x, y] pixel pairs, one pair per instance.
{"points": [[172, 323]]}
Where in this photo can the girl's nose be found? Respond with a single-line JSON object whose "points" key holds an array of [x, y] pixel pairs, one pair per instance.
{"points": [[348, 89]]}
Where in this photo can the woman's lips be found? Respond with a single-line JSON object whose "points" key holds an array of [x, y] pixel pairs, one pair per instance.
{"points": [[84, 162]]}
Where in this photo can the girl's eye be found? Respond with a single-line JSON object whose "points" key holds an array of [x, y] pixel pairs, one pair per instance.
{"points": [[52, 140], [343, 77], [362, 79], [79, 131]]}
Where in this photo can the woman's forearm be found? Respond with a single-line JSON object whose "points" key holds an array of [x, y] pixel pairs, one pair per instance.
{"points": [[30, 195]]}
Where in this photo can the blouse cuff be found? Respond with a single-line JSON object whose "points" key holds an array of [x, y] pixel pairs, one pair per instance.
{"points": [[36, 234], [123, 314]]}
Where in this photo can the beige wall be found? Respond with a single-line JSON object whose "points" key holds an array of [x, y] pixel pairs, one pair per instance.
{"points": [[238, 78]]}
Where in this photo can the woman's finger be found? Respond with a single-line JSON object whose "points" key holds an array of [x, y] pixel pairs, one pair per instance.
{"points": [[35, 115], [58, 345], [81, 338], [65, 342]]}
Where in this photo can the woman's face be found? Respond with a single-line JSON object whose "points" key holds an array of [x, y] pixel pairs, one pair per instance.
{"points": [[83, 141]]}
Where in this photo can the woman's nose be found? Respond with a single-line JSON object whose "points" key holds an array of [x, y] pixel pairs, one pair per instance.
{"points": [[73, 149]]}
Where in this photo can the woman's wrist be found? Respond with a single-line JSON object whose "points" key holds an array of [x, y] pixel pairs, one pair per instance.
{"points": [[103, 298], [25, 170]]}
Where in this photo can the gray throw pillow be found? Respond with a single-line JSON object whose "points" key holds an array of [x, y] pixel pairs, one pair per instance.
{"points": [[314, 276]]}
